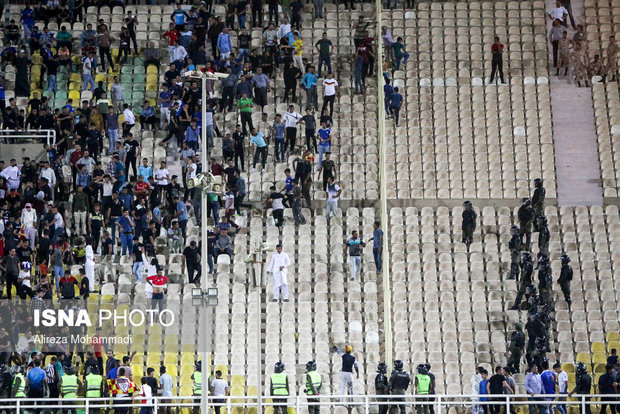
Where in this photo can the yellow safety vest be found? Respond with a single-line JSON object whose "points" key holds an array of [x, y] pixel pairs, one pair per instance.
{"points": [[316, 380], [69, 386], [22, 385], [197, 383], [93, 385], [424, 383], [278, 383]]}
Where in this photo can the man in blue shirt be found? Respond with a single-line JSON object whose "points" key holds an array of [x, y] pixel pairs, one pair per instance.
{"points": [[533, 385], [191, 135], [125, 224], [483, 390], [145, 170], [178, 16], [119, 173], [377, 245], [308, 82], [395, 101], [549, 381], [260, 147], [325, 141], [35, 381], [27, 21], [181, 213]]}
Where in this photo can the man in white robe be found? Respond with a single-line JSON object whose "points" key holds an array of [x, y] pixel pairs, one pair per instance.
{"points": [[89, 266], [279, 262], [11, 174]]}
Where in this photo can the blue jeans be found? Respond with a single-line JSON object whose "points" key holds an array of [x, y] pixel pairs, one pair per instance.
{"points": [[88, 80], [51, 83], [27, 30], [561, 407], [394, 4], [322, 150], [57, 233], [405, 55], [157, 301], [214, 207], [359, 82], [378, 259], [113, 135], [210, 263], [146, 410], [280, 150], [327, 60], [59, 271], [312, 100], [126, 243], [137, 270], [242, 21], [244, 54]]}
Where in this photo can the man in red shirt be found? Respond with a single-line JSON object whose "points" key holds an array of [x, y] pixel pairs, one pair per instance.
{"points": [[172, 34], [497, 49], [142, 189], [159, 287]]}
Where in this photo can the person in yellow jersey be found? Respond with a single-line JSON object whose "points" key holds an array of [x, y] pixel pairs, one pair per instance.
{"points": [[19, 383], [422, 386], [279, 388], [94, 385], [197, 386], [69, 386], [313, 388]]}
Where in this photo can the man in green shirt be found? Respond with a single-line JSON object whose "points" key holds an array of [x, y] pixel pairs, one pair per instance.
{"points": [[245, 105], [213, 206], [325, 47], [399, 52], [63, 38]]}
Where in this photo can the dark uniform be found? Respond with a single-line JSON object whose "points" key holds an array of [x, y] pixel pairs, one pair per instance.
{"points": [[566, 276], [534, 328], [539, 356], [517, 345], [526, 218], [543, 236], [527, 269], [515, 244], [399, 382], [382, 387], [469, 223], [538, 199], [545, 280], [583, 383]]}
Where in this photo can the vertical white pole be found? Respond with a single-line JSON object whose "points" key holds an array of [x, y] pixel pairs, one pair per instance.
{"points": [[204, 252], [257, 279]]}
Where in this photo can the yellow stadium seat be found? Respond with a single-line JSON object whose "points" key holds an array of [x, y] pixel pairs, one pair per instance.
{"points": [[151, 87], [584, 357], [613, 345], [138, 359], [172, 371], [597, 347], [600, 368], [568, 367], [155, 329], [107, 298], [187, 359], [151, 69], [238, 380], [172, 339], [101, 77], [599, 358], [153, 360], [137, 371], [35, 91], [188, 348], [252, 390], [152, 78], [187, 370], [75, 77], [75, 95], [222, 368], [613, 337], [185, 390], [114, 52], [170, 359]]}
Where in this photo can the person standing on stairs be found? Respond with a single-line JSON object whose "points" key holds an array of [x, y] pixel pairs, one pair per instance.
{"points": [[611, 67], [278, 268], [468, 226], [279, 388], [566, 277], [348, 365], [555, 34], [497, 64], [579, 60], [563, 54]]}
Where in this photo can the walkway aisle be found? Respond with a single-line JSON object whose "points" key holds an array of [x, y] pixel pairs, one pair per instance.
{"points": [[574, 134]]}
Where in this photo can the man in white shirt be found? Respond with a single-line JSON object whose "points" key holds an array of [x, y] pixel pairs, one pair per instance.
{"points": [[284, 29], [58, 224], [165, 383], [48, 173], [278, 268], [130, 120], [162, 176], [89, 265], [179, 55], [291, 119], [333, 193], [330, 88], [475, 390], [12, 174], [219, 388], [24, 340], [145, 397], [29, 221], [562, 386], [558, 12], [87, 77]]}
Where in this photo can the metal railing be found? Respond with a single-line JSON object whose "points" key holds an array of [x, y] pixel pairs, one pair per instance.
{"points": [[367, 403], [38, 136]]}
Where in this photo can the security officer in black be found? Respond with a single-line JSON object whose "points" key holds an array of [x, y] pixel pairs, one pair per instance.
{"points": [[515, 245], [583, 383], [566, 276], [382, 387], [543, 236], [526, 216], [545, 280], [534, 328], [399, 382], [527, 269], [538, 198], [539, 356], [468, 225], [517, 345]]}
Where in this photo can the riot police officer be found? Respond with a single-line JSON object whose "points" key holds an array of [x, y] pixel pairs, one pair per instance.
{"points": [[382, 387], [422, 386], [517, 345], [539, 356], [583, 383], [313, 387], [545, 280], [279, 388], [538, 198], [399, 382], [468, 225], [566, 276], [515, 244], [527, 269], [543, 236], [534, 328], [526, 215]]}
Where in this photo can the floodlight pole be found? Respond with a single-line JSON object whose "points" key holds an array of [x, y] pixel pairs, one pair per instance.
{"points": [[204, 406]]}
